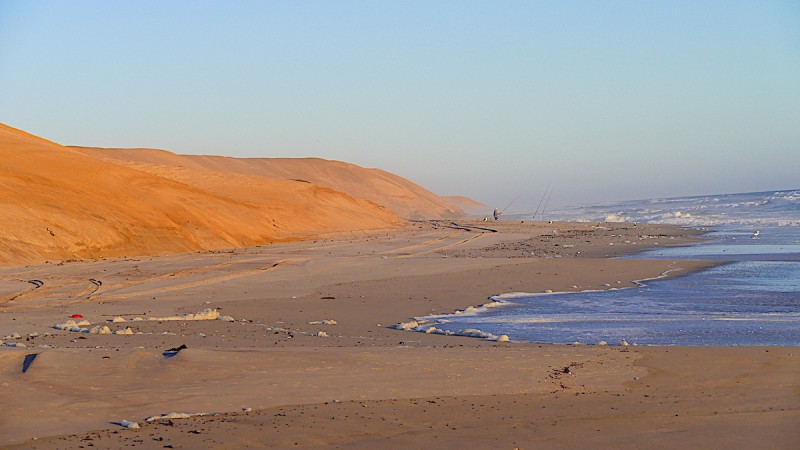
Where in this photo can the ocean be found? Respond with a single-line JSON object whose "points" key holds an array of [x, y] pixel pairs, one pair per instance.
{"points": [[753, 298]]}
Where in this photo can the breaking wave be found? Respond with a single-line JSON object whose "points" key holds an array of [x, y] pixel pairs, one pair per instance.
{"points": [[757, 209]]}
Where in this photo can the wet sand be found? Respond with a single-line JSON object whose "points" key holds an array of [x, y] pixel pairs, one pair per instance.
{"points": [[275, 383]]}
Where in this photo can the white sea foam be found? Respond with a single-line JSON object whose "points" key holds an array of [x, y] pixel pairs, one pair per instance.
{"points": [[82, 323], [206, 314], [78, 327], [474, 332], [69, 325], [619, 217], [495, 301], [176, 415], [406, 326], [129, 424], [469, 332], [778, 208], [502, 298], [734, 216]]}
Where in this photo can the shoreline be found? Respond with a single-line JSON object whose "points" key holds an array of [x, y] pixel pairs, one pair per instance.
{"points": [[273, 355], [428, 324]]}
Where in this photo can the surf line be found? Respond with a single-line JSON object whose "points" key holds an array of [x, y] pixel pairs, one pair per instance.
{"points": [[428, 324]]}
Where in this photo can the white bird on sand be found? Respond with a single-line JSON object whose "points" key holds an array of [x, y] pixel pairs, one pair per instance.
{"points": [[755, 235]]}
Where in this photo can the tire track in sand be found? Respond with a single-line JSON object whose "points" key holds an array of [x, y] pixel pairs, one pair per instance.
{"points": [[442, 247], [406, 251], [449, 240], [108, 295], [34, 285], [59, 290]]}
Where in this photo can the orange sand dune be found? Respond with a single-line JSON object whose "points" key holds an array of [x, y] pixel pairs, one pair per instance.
{"points": [[61, 203], [467, 204], [401, 196]]}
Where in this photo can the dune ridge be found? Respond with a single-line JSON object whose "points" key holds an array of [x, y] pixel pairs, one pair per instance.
{"points": [[403, 197], [62, 203], [467, 204]]}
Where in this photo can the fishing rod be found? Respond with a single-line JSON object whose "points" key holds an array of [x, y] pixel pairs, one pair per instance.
{"points": [[535, 213], [546, 203], [512, 202]]}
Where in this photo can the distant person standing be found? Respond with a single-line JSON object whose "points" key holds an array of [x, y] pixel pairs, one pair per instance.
{"points": [[496, 214]]}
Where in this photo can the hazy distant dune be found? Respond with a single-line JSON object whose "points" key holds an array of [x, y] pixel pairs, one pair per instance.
{"points": [[401, 196], [467, 204], [59, 203]]}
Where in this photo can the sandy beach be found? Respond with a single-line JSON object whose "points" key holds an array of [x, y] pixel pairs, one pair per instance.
{"points": [[364, 225], [306, 355]]}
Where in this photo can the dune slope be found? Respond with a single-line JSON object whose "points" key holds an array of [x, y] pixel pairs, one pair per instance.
{"points": [[467, 204], [401, 196], [61, 203]]}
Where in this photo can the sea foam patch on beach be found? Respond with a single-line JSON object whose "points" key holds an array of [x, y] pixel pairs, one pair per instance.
{"points": [[206, 314], [494, 302], [82, 326], [427, 328], [428, 324], [176, 415]]}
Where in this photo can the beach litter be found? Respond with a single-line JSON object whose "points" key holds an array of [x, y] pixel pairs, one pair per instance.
{"points": [[26, 363], [174, 351]]}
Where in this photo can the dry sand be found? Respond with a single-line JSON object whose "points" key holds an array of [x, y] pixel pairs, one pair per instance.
{"points": [[366, 385]]}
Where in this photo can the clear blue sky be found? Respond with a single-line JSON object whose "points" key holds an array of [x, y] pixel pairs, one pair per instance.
{"points": [[602, 100]]}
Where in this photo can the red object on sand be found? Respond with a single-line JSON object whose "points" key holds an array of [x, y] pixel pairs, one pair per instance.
{"points": [[77, 316]]}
